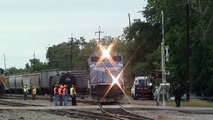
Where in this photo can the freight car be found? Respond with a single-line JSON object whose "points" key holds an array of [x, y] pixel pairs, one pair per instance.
{"points": [[106, 77], [45, 80]]}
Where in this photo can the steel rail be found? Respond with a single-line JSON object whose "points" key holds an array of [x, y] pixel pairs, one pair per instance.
{"points": [[140, 117]]}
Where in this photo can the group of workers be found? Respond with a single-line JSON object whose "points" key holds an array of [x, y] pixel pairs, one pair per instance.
{"points": [[26, 92], [61, 95]]}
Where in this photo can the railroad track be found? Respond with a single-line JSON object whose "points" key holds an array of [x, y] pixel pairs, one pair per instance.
{"points": [[16, 104], [139, 117], [122, 114], [41, 97], [20, 96], [73, 113], [119, 113]]}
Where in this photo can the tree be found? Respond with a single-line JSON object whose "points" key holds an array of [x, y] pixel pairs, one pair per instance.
{"points": [[142, 50], [14, 70], [70, 55], [1, 71], [201, 45], [36, 65]]}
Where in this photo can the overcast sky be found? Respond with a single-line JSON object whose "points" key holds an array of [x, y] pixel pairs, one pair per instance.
{"points": [[30, 26]]}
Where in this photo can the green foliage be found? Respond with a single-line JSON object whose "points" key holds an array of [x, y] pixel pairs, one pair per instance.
{"points": [[14, 70], [34, 66], [142, 55], [1, 71], [201, 26], [70, 55]]}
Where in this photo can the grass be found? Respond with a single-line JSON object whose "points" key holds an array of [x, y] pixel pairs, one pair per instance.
{"points": [[193, 103]]}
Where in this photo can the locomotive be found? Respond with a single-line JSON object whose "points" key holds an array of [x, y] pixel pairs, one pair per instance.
{"points": [[44, 81], [106, 76]]}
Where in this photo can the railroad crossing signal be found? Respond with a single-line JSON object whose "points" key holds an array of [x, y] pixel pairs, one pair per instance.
{"points": [[156, 75]]}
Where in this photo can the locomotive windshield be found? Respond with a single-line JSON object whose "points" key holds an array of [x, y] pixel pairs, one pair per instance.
{"points": [[96, 59], [142, 82], [116, 58]]}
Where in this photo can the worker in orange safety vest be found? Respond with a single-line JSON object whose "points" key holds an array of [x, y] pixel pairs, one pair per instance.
{"points": [[56, 97], [60, 93], [65, 95]]}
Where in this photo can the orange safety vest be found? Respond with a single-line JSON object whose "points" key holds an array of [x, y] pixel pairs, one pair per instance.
{"points": [[55, 90], [64, 91], [60, 91]]}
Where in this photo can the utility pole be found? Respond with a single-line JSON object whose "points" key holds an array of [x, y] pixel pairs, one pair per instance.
{"points": [[187, 52], [99, 33], [71, 48], [5, 63], [34, 61], [129, 20], [164, 57]]}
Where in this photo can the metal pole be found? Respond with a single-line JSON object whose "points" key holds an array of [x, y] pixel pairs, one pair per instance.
{"points": [[71, 49], [34, 61], [5, 63], [163, 59], [187, 52], [129, 20], [71, 45]]}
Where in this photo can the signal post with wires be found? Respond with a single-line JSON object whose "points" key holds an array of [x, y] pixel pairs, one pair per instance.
{"points": [[161, 92]]}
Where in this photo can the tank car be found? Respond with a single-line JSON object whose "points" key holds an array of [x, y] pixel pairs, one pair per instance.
{"points": [[106, 76], [79, 78]]}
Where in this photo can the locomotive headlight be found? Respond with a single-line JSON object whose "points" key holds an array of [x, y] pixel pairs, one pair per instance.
{"points": [[105, 53], [115, 80]]}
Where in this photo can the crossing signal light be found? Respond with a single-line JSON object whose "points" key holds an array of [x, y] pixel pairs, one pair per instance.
{"points": [[158, 75], [155, 75]]}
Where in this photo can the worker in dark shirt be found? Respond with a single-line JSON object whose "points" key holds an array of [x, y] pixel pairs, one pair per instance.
{"points": [[178, 93]]}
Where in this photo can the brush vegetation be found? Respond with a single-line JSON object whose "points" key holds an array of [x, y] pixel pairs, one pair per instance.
{"points": [[193, 103]]}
